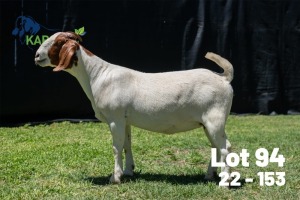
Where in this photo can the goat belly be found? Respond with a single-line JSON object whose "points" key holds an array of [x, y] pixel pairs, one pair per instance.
{"points": [[166, 126], [164, 122]]}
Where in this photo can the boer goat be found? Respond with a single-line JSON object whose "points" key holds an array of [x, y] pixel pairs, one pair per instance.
{"points": [[167, 102]]}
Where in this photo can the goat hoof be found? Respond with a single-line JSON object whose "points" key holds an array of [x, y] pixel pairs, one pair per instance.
{"points": [[211, 177], [115, 179]]}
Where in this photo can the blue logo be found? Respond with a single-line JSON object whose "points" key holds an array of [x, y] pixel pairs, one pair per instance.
{"points": [[27, 30], [30, 33]]}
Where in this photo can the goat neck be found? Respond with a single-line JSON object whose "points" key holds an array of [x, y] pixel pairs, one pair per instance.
{"points": [[86, 72]]}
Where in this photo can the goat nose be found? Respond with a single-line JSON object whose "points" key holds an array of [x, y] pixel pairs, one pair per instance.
{"points": [[37, 55]]}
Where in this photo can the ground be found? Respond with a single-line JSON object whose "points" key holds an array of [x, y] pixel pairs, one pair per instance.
{"points": [[74, 161]]}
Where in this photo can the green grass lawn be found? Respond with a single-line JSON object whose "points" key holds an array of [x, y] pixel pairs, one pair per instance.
{"points": [[74, 161]]}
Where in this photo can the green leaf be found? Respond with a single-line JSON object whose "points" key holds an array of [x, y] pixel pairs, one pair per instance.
{"points": [[81, 30]]}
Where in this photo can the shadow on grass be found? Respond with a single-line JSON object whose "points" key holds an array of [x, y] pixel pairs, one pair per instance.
{"points": [[173, 179]]}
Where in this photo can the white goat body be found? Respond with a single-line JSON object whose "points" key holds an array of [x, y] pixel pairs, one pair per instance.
{"points": [[167, 102], [162, 102]]}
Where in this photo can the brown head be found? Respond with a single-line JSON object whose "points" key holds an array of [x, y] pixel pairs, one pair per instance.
{"points": [[59, 51]]}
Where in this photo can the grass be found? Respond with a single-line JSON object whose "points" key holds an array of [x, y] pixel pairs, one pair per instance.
{"points": [[74, 161]]}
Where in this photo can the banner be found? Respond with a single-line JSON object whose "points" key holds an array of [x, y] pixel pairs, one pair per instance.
{"points": [[260, 38]]}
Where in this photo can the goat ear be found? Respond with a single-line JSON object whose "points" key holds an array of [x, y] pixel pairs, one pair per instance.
{"points": [[66, 55]]}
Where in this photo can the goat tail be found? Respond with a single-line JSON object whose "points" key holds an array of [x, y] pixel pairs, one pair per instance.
{"points": [[223, 63]]}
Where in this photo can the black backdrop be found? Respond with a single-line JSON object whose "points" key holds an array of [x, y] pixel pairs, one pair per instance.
{"points": [[260, 37]]}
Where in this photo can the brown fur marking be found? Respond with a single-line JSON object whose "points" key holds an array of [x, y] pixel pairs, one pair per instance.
{"points": [[63, 51]]}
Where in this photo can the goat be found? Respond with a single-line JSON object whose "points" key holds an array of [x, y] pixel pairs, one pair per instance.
{"points": [[166, 102]]}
